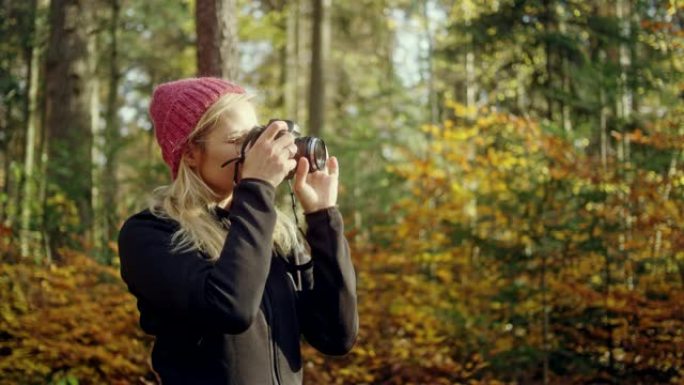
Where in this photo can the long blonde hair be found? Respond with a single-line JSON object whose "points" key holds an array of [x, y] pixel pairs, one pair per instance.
{"points": [[189, 201]]}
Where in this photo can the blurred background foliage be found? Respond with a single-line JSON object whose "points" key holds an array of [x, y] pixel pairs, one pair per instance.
{"points": [[512, 178]]}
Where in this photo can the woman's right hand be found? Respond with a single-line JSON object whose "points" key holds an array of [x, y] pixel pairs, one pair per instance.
{"points": [[271, 159]]}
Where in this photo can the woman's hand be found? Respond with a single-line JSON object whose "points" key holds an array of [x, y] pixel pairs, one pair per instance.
{"points": [[271, 159], [316, 190]]}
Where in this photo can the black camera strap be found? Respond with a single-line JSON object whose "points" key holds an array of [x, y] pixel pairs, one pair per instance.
{"points": [[300, 248], [238, 160]]}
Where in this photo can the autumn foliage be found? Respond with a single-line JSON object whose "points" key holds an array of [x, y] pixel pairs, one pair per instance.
{"points": [[72, 323], [517, 254], [519, 249], [522, 254]]}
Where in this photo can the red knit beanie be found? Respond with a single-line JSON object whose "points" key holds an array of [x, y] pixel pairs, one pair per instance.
{"points": [[177, 107]]}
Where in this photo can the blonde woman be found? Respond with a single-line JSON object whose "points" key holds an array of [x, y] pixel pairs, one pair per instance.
{"points": [[211, 260]]}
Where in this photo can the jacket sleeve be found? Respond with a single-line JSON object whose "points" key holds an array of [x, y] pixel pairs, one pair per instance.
{"points": [[223, 294], [327, 304]]}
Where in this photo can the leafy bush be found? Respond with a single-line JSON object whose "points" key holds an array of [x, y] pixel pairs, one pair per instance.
{"points": [[68, 324]]}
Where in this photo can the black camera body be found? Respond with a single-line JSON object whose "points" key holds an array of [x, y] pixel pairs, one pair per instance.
{"points": [[310, 147]]}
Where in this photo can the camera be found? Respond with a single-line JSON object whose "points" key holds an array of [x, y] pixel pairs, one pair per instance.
{"points": [[310, 147]]}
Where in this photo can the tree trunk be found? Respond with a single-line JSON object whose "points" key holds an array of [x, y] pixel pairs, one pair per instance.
{"points": [[625, 92], [69, 168], [548, 54], [302, 29], [217, 39], [624, 115], [319, 48], [291, 65], [29, 197], [5, 161], [112, 138], [598, 56], [12, 128], [565, 107], [96, 152]]}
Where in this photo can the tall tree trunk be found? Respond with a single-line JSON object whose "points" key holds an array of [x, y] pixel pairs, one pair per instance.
{"points": [[96, 152], [303, 55], [603, 126], [564, 76], [5, 161], [217, 39], [42, 151], [69, 168], [319, 49], [598, 56], [625, 92], [634, 52], [4, 136], [29, 197], [548, 54], [284, 13], [15, 105], [291, 65], [602, 56], [624, 115], [111, 134]]}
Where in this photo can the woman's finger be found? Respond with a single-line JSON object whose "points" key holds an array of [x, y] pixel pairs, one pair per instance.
{"points": [[333, 167], [301, 173], [284, 141], [290, 164], [271, 131]]}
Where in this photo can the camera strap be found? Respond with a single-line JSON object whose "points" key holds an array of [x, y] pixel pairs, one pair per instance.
{"points": [[301, 249], [238, 160]]}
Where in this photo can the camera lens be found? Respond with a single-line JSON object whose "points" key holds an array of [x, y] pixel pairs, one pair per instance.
{"points": [[314, 150], [319, 153]]}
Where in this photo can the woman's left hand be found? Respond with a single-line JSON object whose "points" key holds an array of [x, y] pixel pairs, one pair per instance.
{"points": [[316, 190]]}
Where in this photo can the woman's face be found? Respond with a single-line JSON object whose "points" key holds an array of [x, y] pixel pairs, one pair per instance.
{"points": [[220, 144]]}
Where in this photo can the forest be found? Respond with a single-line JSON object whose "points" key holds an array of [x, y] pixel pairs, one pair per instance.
{"points": [[511, 178]]}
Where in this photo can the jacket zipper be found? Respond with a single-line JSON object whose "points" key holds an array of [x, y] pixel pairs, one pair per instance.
{"points": [[272, 341]]}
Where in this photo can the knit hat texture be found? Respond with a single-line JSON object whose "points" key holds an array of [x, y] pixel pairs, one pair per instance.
{"points": [[176, 108]]}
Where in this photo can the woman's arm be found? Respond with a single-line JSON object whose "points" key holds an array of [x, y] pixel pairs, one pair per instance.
{"points": [[226, 293], [327, 304]]}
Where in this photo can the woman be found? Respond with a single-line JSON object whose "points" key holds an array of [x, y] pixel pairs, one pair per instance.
{"points": [[211, 261]]}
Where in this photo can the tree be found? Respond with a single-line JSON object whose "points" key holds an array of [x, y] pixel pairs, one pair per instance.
{"points": [[69, 169], [17, 21], [216, 26], [319, 49], [107, 141], [30, 192]]}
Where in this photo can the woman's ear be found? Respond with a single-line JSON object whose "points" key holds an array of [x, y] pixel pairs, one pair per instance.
{"points": [[192, 156]]}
